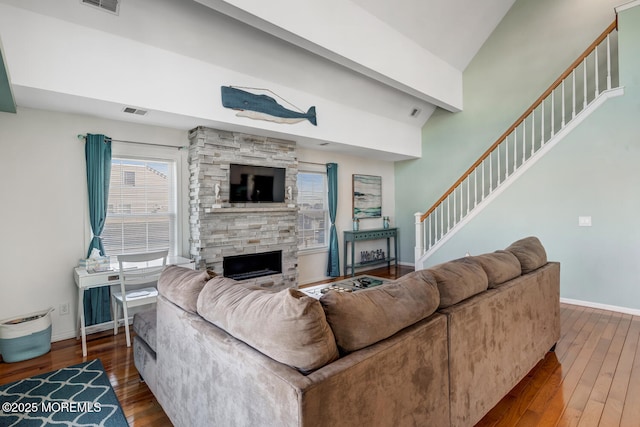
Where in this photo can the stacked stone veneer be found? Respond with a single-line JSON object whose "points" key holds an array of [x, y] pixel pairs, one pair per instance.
{"points": [[240, 228]]}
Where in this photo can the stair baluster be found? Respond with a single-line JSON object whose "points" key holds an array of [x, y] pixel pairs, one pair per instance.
{"points": [[431, 228]]}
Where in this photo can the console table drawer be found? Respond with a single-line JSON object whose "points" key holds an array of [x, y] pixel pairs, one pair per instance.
{"points": [[371, 235]]}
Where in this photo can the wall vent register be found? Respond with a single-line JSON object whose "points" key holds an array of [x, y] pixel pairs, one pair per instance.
{"points": [[112, 6]]}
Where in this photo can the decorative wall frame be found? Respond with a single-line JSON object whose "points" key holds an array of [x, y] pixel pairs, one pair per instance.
{"points": [[367, 196]]}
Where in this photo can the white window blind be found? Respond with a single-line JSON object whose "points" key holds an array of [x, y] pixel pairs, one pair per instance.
{"points": [[313, 217], [141, 213]]}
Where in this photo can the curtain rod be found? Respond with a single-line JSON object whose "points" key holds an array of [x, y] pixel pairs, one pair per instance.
{"points": [[140, 143], [312, 163]]}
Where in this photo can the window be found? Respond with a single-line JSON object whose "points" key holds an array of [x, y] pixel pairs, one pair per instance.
{"points": [[142, 207], [129, 178], [313, 217]]}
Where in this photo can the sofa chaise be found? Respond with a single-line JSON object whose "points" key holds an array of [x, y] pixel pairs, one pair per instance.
{"points": [[436, 347]]}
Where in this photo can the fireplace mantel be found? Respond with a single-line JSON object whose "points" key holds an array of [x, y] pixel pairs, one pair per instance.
{"points": [[250, 209]]}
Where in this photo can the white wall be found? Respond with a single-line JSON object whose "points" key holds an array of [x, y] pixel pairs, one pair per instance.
{"points": [[313, 265], [44, 224]]}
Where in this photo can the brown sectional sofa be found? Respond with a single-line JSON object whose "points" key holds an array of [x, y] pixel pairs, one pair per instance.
{"points": [[437, 347]]}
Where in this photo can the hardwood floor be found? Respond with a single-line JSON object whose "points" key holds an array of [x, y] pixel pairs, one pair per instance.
{"points": [[138, 404], [592, 379]]}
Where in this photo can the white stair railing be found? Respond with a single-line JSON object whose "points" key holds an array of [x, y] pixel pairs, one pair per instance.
{"points": [[555, 112]]}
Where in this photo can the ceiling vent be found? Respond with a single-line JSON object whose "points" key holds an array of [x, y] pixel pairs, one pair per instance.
{"points": [[137, 111], [111, 6], [415, 112]]}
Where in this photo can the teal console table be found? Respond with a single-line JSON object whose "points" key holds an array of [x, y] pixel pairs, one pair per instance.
{"points": [[357, 236]]}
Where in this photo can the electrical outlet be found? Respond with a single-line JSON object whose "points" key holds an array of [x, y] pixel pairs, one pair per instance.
{"points": [[64, 309]]}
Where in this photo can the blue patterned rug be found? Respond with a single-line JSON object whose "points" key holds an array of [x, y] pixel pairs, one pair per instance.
{"points": [[79, 395]]}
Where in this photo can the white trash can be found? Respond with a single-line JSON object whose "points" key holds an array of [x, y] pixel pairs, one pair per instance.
{"points": [[25, 337]]}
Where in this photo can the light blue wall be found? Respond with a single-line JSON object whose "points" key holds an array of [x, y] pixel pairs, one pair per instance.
{"points": [[592, 172]]}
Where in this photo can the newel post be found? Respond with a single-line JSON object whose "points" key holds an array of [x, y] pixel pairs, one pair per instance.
{"points": [[419, 250]]}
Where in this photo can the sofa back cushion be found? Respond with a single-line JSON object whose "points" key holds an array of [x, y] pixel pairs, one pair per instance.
{"points": [[529, 252], [365, 317], [499, 266], [458, 280], [287, 326], [182, 286]]}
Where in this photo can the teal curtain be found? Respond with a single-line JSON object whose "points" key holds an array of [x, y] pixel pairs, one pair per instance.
{"points": [[97, 308], [333, 265]]}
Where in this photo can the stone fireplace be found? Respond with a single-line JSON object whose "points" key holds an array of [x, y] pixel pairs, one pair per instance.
{"points": [[232, 237]]}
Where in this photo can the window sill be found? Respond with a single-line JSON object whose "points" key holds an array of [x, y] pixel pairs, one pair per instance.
{"points": [[313, 251]]}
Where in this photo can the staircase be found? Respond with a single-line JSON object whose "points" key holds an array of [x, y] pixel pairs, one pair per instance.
{"points": [[588, 82]]}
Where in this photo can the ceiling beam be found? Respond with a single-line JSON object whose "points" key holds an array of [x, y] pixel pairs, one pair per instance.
{"points": [[343, 32]]}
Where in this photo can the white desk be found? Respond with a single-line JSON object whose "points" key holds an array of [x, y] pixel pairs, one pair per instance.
{"points": [[85, 280]]}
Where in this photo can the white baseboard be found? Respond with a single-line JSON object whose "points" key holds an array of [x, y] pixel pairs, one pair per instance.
{"points": [[625, 310], [108, 326]]}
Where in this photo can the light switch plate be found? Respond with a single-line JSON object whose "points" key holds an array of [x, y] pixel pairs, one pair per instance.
{"points": [[584, 221]]}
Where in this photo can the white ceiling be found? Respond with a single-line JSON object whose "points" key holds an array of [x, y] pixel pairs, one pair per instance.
{"points": [[453, 30], [447, 34], [418, 47]]}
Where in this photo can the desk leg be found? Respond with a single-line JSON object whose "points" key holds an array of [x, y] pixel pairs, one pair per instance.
{"points": [[389, 252], [83, 331]]}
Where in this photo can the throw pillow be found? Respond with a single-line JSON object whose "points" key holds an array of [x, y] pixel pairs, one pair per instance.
{"points": [[287, 326], [458, 280], [529, 252], [181, 286], [365, 317]]}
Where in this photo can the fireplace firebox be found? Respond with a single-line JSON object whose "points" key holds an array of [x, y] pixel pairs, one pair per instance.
{"points": [[250, 266]]}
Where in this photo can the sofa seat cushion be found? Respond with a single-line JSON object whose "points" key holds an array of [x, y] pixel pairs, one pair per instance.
{"points": [[529, 252], [458, 280], [362, 318], [146, 363], [145, 326], [499, 266], [181, 286], [287, 326]]}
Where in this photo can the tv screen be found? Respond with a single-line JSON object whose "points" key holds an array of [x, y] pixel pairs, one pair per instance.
{"points": [[256, 184]]}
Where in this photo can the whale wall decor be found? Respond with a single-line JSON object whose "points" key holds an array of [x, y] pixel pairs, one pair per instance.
{"points": [[263, 107]]}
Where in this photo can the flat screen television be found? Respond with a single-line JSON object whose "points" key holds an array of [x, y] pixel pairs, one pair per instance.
{"points": [[256, 184]]}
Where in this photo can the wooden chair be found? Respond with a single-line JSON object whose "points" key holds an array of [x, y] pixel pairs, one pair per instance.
{"points": [[136, 270]]}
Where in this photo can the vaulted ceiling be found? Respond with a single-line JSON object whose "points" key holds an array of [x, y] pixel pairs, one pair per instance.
{"points": [[379, 58]]}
